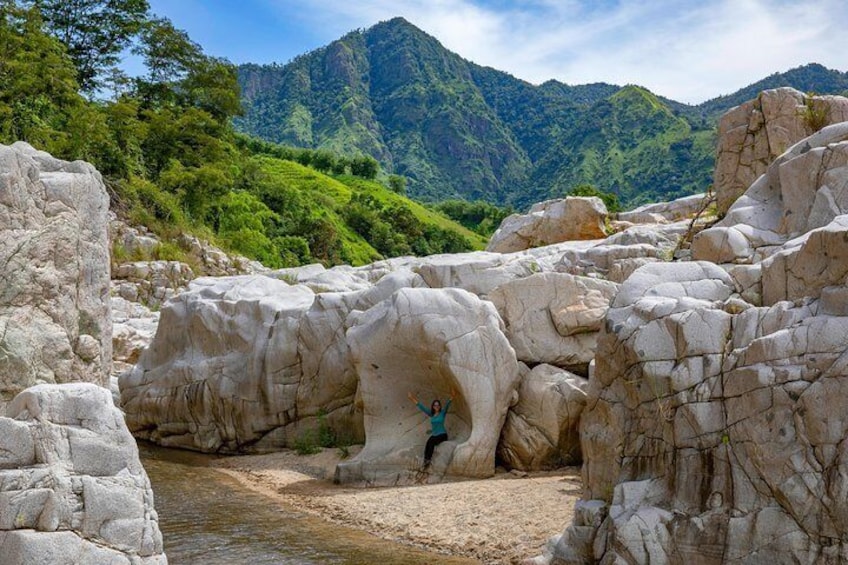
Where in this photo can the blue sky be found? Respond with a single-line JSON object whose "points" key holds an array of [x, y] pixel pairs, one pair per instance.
{"points": [[686, 50]]}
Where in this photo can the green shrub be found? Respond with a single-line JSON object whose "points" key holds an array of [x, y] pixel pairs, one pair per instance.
{"points": [[815, 115], [610, 199], [326, 435], [306, 444], [168, 251]]}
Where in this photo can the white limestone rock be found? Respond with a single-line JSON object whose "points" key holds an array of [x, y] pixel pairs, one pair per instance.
{"points": [[477, 272], [133, 328], [752, 135], [72, 488], [665, 212], [251, 364], [428, 341], [223, 369], [807, 265], [151, 283], [714, 430], [541, 431], [552, 221], [554, 317], [803, 189], [55, 320]]}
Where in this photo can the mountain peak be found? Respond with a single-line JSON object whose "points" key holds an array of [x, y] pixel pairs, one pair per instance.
{"points": [[395, 25], [397, 21]]}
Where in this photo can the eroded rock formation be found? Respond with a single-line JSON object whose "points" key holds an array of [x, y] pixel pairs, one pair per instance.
{"points": [[554, 317], [664, 212], [430, 341], [55, 320], [223, 369], [72, 489], [752, 135], [255, 363], [803, 189]]}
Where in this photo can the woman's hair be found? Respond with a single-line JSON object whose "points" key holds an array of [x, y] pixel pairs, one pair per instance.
{"points": [[433, 406]]}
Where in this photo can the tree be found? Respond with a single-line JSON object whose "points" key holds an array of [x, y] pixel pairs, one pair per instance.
{"points": [[397, 184], [364, 166], [93, 31], [38, 93], [324, 161], [610, 199], [169, 53]]}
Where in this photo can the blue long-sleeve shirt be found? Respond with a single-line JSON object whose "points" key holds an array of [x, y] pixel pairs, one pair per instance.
{"points": [[437, 422]]}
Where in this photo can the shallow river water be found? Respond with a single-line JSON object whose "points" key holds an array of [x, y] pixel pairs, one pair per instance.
{"points": [[207, 517]]}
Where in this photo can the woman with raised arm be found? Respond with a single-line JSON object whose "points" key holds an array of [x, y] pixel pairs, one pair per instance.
{"points": [[438, 433]]}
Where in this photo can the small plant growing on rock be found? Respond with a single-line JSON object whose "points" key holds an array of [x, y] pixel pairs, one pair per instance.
{"points": [[119, 254], [815, 115], [289, 278]]}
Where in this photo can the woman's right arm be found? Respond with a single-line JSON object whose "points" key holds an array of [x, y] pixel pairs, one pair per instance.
{"points": [[420, 406]]}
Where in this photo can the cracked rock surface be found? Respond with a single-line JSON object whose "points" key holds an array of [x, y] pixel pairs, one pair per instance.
{"points": [[753, 134], [715, 421], [55, 319], [72, 488]]}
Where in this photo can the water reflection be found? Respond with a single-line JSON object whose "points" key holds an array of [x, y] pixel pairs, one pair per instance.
{"points": [[208, 517]]}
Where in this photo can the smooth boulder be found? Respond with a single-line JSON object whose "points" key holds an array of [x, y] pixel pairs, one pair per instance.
{"points": [[554, 318], [223, 369], [552, 221], [251, 363], [541, 430]]}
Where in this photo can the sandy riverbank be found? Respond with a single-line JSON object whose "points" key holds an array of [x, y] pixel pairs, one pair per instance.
{"points": [[499, 520]]}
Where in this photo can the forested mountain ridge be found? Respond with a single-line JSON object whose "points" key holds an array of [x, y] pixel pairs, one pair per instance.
{"points": [[457, 129]]}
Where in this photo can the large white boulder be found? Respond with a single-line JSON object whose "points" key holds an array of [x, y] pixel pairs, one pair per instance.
{"points": [[665, 212], [552, 221], [541, 430], [72, 488], [223, 369], [428, 341], [554, 317], [250, 363], [478, 272], [55, 322]]}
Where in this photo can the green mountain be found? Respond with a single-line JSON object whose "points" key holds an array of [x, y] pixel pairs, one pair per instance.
{"points": [[460, 130], [808, 78]]}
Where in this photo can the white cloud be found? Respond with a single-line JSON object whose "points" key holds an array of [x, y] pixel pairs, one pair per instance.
{"points": [[689, 51]]}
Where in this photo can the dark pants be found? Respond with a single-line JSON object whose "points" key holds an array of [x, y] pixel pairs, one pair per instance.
{"points": [[432, 442]]}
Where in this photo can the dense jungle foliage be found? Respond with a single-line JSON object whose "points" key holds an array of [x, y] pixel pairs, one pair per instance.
{"points": [[169, 154]]}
